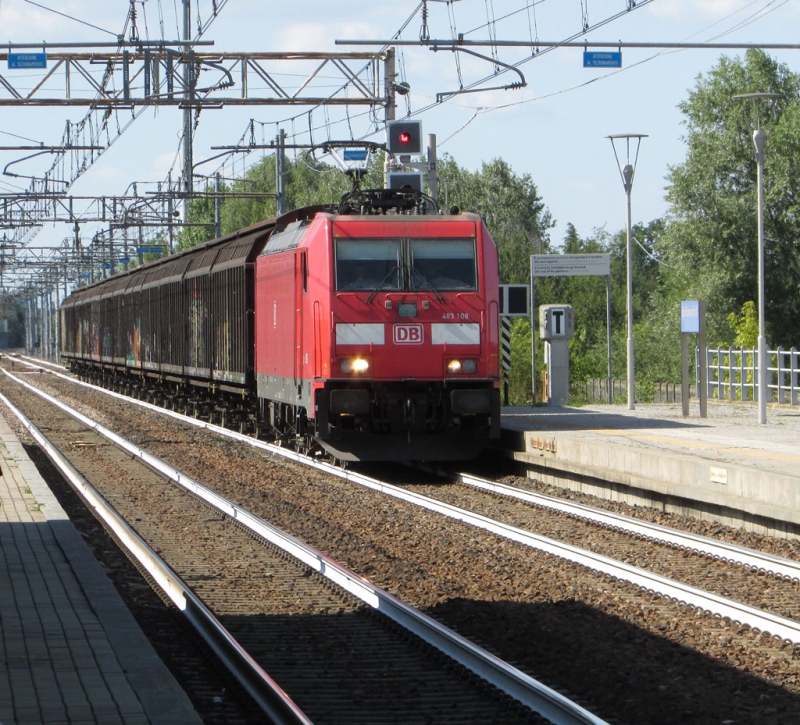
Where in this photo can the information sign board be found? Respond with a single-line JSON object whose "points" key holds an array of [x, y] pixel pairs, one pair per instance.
{"points": [[27, 60], [602, 59], [570, 265], [355, 154], [690, 316]]}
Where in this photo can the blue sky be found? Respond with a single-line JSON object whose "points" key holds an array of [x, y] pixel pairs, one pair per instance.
{"points": [[554, 129]]}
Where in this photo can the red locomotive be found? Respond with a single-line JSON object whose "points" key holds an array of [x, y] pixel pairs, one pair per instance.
{"points": [[367, 329]]}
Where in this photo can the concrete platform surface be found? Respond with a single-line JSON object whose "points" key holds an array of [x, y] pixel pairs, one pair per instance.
{"points": [[727, 461], [70, 650]]}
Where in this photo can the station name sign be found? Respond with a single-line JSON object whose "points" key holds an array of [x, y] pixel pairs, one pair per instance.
{"points": [[690, 316], [602, 59], [27, 60], [355, 154]]}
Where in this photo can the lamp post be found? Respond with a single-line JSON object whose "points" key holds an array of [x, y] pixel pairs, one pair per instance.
{"points": [[627, 173], [760, 142]]}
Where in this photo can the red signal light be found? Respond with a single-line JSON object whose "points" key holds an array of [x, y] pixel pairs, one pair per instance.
{"points": [[404, 137]]}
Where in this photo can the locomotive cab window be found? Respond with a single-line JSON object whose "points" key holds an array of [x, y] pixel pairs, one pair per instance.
{"points": [[417, 265], [368, 264], [442, 264]]}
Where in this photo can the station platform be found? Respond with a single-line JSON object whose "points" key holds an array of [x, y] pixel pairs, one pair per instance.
{"points": [[70, 650], [725, 467]]}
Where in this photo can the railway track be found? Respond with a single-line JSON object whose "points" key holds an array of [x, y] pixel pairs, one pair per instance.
{"points": [[643, 643], [344, 662], [721, 578]]}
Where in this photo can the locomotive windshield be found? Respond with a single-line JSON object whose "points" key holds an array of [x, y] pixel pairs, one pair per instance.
{"points": [[415, 265], [367, 264], [447, 264]]}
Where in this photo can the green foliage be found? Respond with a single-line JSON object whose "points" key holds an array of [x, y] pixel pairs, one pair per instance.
{"points": [[201, 211], [705, 249], [519, 378], [745, 324], [710, 241], [308, 183], [511, 206]]}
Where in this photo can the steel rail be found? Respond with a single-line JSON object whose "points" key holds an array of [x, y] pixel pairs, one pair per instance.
{"points": [[264, 690], [758, 560], [538, 697], [757, 619], [731, 553], [35, 361]]}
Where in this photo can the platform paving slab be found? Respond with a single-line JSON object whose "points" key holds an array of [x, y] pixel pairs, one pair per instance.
{"points": [[70, 650]]}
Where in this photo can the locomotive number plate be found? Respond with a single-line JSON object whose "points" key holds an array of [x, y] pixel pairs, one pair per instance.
{"points": [[408, 334]]}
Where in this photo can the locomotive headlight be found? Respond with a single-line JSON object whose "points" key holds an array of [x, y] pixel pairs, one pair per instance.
{"points": [[353, 366], [462, 367]]}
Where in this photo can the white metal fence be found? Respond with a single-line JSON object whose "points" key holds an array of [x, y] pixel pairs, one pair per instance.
{"points": [[733, 374]]}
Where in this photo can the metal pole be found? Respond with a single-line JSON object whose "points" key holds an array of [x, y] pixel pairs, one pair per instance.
{"points": [[217, 208], [280, 173], [140, 248], [702, 381], [170, 214], [685, 374], [188, 77], [760, 140], [608, 338], [110, 257], [390, 77], [432, 177], [533, 337], [627, 174]]}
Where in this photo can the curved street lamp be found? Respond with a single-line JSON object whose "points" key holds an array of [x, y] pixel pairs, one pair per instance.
{"points": [[627, 172], [760, 142]]}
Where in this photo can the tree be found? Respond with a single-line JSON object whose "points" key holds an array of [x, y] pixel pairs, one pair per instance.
{"points": [[746, 326], [710, 240], [519, 223], [308, 182], [511, 206]]}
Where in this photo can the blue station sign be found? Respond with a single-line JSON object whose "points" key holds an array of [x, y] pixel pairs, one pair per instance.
{"points": [[355, 154], [602, 59], [690, 316], [27, 60]]}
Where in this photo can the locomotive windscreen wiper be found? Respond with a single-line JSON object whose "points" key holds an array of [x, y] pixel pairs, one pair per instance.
{"points": [[382, 283], [416, 274]]}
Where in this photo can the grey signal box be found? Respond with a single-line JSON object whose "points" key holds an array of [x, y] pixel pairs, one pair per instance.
{"points": [[401, 180], [514, 300], [405, 137], [556, 322]]}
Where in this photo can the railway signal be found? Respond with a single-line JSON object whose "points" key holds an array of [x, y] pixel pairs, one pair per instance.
{"points": [[405, 138]]}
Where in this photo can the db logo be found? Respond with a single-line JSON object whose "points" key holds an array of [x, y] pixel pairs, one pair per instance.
{"points": [[408, 334]]}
